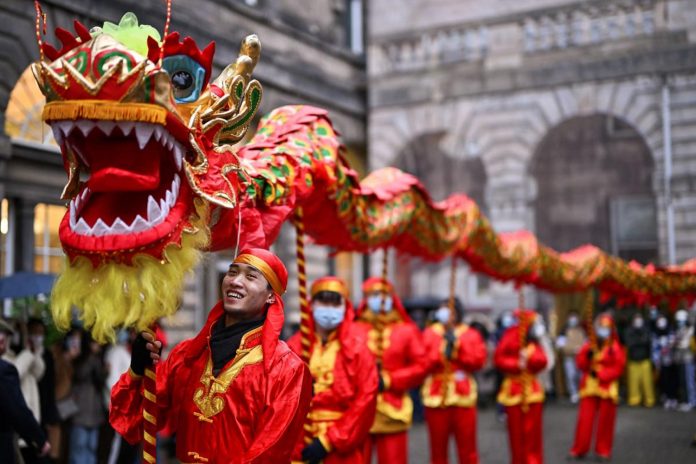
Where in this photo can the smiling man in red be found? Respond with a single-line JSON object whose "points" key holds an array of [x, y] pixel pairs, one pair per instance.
{"points": [[234, 393]]}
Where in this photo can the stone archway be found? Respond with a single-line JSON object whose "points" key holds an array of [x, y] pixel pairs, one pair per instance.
{"points": [[594, 185]]}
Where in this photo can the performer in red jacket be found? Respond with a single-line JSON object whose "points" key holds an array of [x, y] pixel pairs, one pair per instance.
{"points": [[602, 362], [345, 380], [449, 393], [234, 393], [397, 343], [520, 357]]}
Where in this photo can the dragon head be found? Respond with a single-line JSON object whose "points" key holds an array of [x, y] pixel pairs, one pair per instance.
{"points": [[146, 140]]}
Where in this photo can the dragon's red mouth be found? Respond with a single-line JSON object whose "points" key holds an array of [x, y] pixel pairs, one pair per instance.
{"points": [[135, 194]]}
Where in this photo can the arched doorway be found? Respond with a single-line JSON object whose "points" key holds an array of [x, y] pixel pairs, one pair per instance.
{"points": [[594, 185]]}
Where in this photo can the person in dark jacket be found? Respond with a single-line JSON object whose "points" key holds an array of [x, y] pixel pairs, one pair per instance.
{"points": [[16, 415], [640, 376]]}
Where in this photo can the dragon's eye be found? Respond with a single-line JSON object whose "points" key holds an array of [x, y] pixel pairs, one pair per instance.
{"points": [[187, 77], [182, 82]]}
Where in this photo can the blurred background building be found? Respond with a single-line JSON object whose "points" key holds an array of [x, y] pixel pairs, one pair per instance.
{"points": [[572, 119], [575, 120]]}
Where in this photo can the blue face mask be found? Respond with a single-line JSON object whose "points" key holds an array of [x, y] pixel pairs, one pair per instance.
{"points": [[375, 303], [603, 332], [328, 317], [442, 315], [538, 330]]}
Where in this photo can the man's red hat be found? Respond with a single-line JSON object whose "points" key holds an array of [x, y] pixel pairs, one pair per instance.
{"points": [[377, 284], [329, 284], [268, 264]]}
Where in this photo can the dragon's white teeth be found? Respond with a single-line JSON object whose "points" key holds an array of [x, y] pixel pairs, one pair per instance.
{"points": [[178, 155], [139, 224], [85, 126], [159, 133], [144, 132], [153, 210], [106, 126], [57, 135], [76, 205], [119, 227], [100, 228], [64, 126], [126, 126], [82, 228], [164, 206], [73, 214], [169, 198]]}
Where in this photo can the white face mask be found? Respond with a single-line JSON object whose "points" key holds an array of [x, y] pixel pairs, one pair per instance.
{"points": [[573, 321], [442, 315], [328, 317], [374, 302], [681, 317], [603, 332], [638, 323], [662, 323]]}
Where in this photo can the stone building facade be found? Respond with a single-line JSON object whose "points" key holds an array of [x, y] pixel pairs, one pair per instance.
{"points": [[309, 55], [554, 115]]}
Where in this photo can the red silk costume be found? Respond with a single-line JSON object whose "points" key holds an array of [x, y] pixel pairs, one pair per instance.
{"points": [[449, 392], [398, 345], [522, 394], [252, 412], [599, 393], [345, 387]]}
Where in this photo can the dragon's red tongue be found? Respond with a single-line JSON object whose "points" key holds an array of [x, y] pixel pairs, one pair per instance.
{"points": [[127, 169]]}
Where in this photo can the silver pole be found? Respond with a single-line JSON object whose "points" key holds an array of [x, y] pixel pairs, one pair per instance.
{"points": [[667, 154], [356, 26]]}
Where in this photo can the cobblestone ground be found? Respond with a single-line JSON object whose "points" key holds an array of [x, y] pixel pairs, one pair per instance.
{"points": [[643, 436]]}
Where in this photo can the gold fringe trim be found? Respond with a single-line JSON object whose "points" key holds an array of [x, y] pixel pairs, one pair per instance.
{"points": [[104, 110]]}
